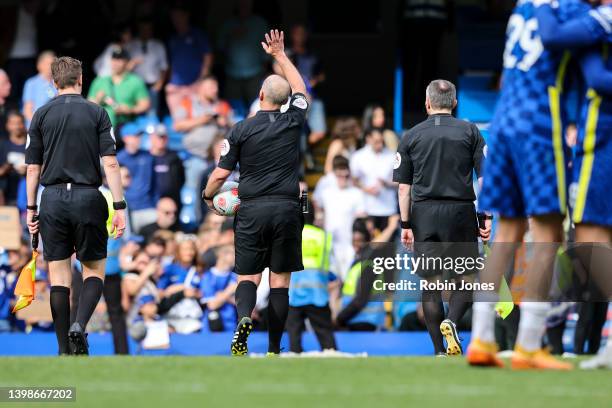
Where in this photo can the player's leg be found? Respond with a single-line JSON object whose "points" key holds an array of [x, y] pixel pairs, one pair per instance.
{"points": [[60, 277], [547, 234], [278, 308], [598, 259], [482, 350]]}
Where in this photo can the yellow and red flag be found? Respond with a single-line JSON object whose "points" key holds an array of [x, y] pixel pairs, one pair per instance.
{"points": [[24, 289]]}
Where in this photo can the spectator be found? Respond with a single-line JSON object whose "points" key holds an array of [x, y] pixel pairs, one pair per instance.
{"points": [[140, 194], [169, 170], [140, 290], [374, 118], [122, 37], [5, 105], [186, 316], [8, 278], [201, 117], [218, 285], [376, 181], [21, 62], [149, 60], [309, 66], [240, 40], [310, 291], [39, 89], [12, 158], [361, 310], [123, 94], [167, 219], [190, 58], [337, 206], [345, 140]]}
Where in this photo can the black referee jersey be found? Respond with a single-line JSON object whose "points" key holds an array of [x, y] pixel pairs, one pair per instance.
{"points": [[438, 157], [269, 222], [67, 137]]}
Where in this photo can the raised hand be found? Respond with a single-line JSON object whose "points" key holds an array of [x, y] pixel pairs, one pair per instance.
{"points": [[274, 44]]}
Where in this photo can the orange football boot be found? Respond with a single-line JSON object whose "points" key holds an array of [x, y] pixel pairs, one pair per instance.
{"points": [[537, 360], [483, 354]]}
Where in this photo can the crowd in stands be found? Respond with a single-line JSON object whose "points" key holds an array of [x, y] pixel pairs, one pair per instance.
{"points": [[176, 260], [169, 265]]}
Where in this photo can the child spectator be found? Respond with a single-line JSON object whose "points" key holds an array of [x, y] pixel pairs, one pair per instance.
{"points": [[218, 285]]}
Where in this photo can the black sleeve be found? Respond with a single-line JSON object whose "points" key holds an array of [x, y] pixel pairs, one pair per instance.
{"points": [[230, 151], [403, 169], [478, 154], [106, 135], [166, 303], [34, 143], [362, 296], [298, 106]]}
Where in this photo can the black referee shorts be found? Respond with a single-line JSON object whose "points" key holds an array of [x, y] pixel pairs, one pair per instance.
{"points": [[444, 229], [73, 219], [268, 233]]}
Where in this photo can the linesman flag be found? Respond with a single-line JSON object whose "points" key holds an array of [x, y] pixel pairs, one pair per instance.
{"points": [[24, 290]]}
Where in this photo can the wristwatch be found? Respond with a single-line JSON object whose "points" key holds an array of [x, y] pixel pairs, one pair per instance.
{"points": [[119, 205], [32, 207], [204, 196], [405, 224]]}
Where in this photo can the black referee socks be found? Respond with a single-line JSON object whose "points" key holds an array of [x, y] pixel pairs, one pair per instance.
{"points": [[246, 297], [90, 296], [60, 310], [278, 308]]}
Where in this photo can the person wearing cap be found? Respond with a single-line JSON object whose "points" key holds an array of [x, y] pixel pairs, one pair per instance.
{"points": [[141, 193], [168, 168], [123, 94]]}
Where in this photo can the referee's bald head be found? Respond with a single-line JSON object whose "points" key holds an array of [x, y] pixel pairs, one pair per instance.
{"points": [[275, 90], [441, 95]]}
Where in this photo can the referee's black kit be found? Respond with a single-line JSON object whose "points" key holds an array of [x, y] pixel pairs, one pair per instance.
{"points": [[69, 135], [438, 158], [269, 223]]}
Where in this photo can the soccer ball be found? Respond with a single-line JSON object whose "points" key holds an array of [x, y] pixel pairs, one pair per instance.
{"points": [[226, 201]]}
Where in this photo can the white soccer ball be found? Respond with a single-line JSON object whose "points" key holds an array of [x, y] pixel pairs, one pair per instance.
{"points": [[226, 201]]}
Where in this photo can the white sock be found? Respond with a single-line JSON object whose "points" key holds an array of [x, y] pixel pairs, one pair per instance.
{"points": [[532, 325], [483, 321]]}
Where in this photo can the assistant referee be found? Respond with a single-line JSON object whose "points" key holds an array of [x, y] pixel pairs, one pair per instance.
{"points": [[67, 138], [434, 167], [269, 223]]}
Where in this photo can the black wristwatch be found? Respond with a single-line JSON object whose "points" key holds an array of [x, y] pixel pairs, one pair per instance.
{"points": [[32, 207], [119, 205], [204, 196], [405, 224]]}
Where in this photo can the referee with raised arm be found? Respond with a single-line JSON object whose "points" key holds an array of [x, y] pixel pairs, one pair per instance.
{"points": [[67, 138], [269, 223], [434, 167]]}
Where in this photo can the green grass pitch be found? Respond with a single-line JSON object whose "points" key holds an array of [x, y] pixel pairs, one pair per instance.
{"points": [[180, 382]]}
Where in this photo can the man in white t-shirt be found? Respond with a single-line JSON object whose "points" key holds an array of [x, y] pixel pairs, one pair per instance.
{"points": [[149, 59], [372, 170], [337, 205]]}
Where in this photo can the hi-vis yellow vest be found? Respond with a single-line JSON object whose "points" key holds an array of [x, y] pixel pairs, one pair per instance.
{"points": [[316, 248], [374, 311]]}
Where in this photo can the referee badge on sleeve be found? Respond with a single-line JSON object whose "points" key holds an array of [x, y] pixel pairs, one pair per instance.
{"points": [[398, 161], [300, 102], [225, 147]]}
